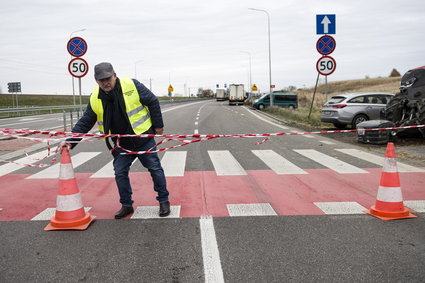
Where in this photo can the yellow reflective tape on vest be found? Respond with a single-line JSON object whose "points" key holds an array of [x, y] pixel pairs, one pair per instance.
{"points": [[137, 113]]}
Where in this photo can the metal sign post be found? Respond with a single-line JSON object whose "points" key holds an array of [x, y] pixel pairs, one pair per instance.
{"points": [[78, 67], [326, 65], [77, 47]]}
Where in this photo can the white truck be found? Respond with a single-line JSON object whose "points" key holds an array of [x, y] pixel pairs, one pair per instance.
{"points": [[221, 94], [236, 94]]}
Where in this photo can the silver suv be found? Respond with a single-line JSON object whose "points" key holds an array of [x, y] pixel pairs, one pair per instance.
{"points": [[354, 108]]}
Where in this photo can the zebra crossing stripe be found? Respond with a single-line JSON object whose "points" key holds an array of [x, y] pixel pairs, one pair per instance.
{"points": [[225, 164], [173, 163], [277, 163], [49, 213], [372, 158], [330, 162], [31, 159], [106, 171], [300, 133], [252, 209], [326, 142], [340, 207], [53, 171], [148, 212]]}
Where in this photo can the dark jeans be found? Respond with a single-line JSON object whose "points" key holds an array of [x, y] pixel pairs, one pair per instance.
{"points": [[150, 161]]}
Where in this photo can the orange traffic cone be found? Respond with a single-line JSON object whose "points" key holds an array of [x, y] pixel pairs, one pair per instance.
{"points": [[70, 213], [389, 201]]}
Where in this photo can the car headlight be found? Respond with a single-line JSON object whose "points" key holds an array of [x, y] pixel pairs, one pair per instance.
{"points": [[255, 101]]}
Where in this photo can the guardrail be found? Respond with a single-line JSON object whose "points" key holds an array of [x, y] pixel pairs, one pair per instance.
{"points": [[22, 111], [33, 110]]}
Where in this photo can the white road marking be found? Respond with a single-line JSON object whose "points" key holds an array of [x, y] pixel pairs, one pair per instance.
{"points": [[52, 172], [254, 209], [340, 207], [49, 213], [329, 161], [31, 159], [149, 212], [211, 257], [277, 163], [326, 142], [372, 158], [106, 171], [225, 164], [265, 120], [173, 163], [310, 136], [416, 205]]}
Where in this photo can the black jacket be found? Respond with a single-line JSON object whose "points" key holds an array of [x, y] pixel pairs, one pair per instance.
{"points": [[115, 117]]}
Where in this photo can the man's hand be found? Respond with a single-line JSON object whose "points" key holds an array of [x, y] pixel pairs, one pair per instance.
{"points": [[159, 131], [65, 144]]}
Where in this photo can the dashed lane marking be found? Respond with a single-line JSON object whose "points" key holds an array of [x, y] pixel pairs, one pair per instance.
{"points": [[213, 271], [49, 213], [252, 209], [416, 205], [148, 212], [340, 207]]}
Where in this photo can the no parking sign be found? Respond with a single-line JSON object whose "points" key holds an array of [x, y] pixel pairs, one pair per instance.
{"points": [[77, 46]]}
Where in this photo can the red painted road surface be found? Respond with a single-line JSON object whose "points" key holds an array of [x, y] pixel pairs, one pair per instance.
{"points": [[204, 193]]}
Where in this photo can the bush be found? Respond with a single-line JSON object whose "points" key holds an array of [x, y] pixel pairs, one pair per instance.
{"points": [[394, 73]]}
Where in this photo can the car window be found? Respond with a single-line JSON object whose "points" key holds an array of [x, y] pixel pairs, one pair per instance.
{"points": [[358, 99], [335, 100], [285, 98], [385, 98], [376, 99]]}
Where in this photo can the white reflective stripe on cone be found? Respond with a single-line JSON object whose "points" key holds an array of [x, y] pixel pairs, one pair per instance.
{"points": [[390, 165], [66, 171], [389, 194], [69, 202]]}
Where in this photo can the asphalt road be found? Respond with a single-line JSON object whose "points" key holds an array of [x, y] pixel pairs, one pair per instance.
{"points": [[207, 243]]}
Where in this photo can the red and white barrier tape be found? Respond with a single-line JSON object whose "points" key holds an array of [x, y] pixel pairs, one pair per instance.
{"points": [[61, 135]]}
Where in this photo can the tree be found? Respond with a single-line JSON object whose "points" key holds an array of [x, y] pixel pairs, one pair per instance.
{"points": [[394, 73]]}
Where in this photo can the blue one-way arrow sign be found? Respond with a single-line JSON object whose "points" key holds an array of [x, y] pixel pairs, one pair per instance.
{"points": [[325, 24]]}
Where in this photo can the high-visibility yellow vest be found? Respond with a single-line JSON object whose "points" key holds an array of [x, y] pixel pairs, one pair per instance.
{"points": [[137, 113]]}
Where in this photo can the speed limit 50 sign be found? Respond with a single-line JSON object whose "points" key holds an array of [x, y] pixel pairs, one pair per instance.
{"points": [[326, 65], [78, 67]]}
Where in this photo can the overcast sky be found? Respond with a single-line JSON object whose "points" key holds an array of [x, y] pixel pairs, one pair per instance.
{"points": [[199, 43]]}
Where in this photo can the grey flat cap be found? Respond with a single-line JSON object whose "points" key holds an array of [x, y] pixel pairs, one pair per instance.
{"points": [[103, 70]]}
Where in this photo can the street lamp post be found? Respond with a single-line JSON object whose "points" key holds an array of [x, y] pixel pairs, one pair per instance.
{"points": [[73, 88], [135, 68], [270, 54], [250, 74]]}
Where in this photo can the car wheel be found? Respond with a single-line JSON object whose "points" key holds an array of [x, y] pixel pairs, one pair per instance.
{"points": [[261, 106], [339, 125], [291, 107], [358, 119]]}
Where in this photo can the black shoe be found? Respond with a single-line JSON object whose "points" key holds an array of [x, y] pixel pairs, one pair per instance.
{"points": [[164, 208], [124, 211]]}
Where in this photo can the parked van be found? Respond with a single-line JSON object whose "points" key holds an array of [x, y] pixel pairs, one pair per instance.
{"points": [[280, 99]]}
